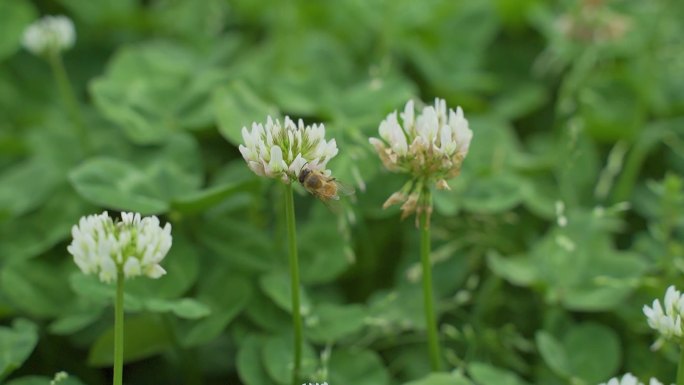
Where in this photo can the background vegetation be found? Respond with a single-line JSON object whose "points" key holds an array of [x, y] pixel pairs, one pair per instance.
{"points": [[579, 102]]}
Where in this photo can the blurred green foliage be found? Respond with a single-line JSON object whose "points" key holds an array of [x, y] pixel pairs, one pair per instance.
{"points": [[573, 102]]}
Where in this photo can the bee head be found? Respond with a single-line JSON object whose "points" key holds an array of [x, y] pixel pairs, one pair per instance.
{"points": [[303, 173]]}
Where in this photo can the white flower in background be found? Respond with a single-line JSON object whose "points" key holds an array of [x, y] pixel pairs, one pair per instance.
{"points": [[51, 33], [281, 151], [430, 147], [629, 379], [133, 245], [666, 319], [316, 383], [59, 377]]}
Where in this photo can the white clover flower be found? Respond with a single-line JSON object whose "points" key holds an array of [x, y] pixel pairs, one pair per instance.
{"points": [[281, 151], [629, 379], [430, 147], [667, 319], [51, 33], [316, 383], [134, 246]]}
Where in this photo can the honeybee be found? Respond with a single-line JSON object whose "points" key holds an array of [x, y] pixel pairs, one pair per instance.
{"points": [[321, 186]]}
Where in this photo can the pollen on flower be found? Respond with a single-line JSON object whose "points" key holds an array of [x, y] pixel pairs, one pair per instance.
{"points": [[278, 150], [50, 33], [133, 245], [666, 319]]}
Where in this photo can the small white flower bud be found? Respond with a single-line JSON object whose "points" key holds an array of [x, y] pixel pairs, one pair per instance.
{"points": [[51, 33]]}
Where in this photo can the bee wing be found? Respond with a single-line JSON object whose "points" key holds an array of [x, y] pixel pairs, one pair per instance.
{"points": [[343, 188]]}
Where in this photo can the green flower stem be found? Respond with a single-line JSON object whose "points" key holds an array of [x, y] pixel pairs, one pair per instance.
{"points": [[430, 321], [294, 281], [119, 330], [68, 95], [680, 368]]}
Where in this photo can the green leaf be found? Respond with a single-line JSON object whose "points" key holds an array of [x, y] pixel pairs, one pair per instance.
{"points": [[154, 89], [321, 264], [442, 379], [236, 106], [554, 354], [519, 271], [493, 194], [276, 286], [26, 186], [329, 322], [35, 233], [16, 344], [226, 294], [185, 307], [77, 320], [202, 200], [593, 352], [91, 288], [359, 367], [485, 374], [146, 186], [144, 336], [277, 357], [15, 16], [36, 287], [249, 363], [118, 185]]}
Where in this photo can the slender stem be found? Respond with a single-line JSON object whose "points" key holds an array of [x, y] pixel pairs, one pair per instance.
{"points": [[68, 96], [680, 368], [294, 281], [431, 322], [119, 330]]}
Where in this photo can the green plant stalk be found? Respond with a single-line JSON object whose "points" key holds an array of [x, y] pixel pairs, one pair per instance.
{"points": [[680, 368], [119, 329], [68, 95], [428, 298], [294, 281]]}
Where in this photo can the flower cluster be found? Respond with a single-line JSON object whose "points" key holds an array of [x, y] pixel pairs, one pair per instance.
{"points": [[49, 34], [281, 151], [666, 319], [311, 383], [430, 147], [629, 379], [134, 245]]}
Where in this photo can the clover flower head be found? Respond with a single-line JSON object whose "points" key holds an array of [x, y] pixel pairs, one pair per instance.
{"points": [[666, 319], [281, 151], [49, 34], [430, 147], [629, 379], [316, 383], [133, 245]]}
